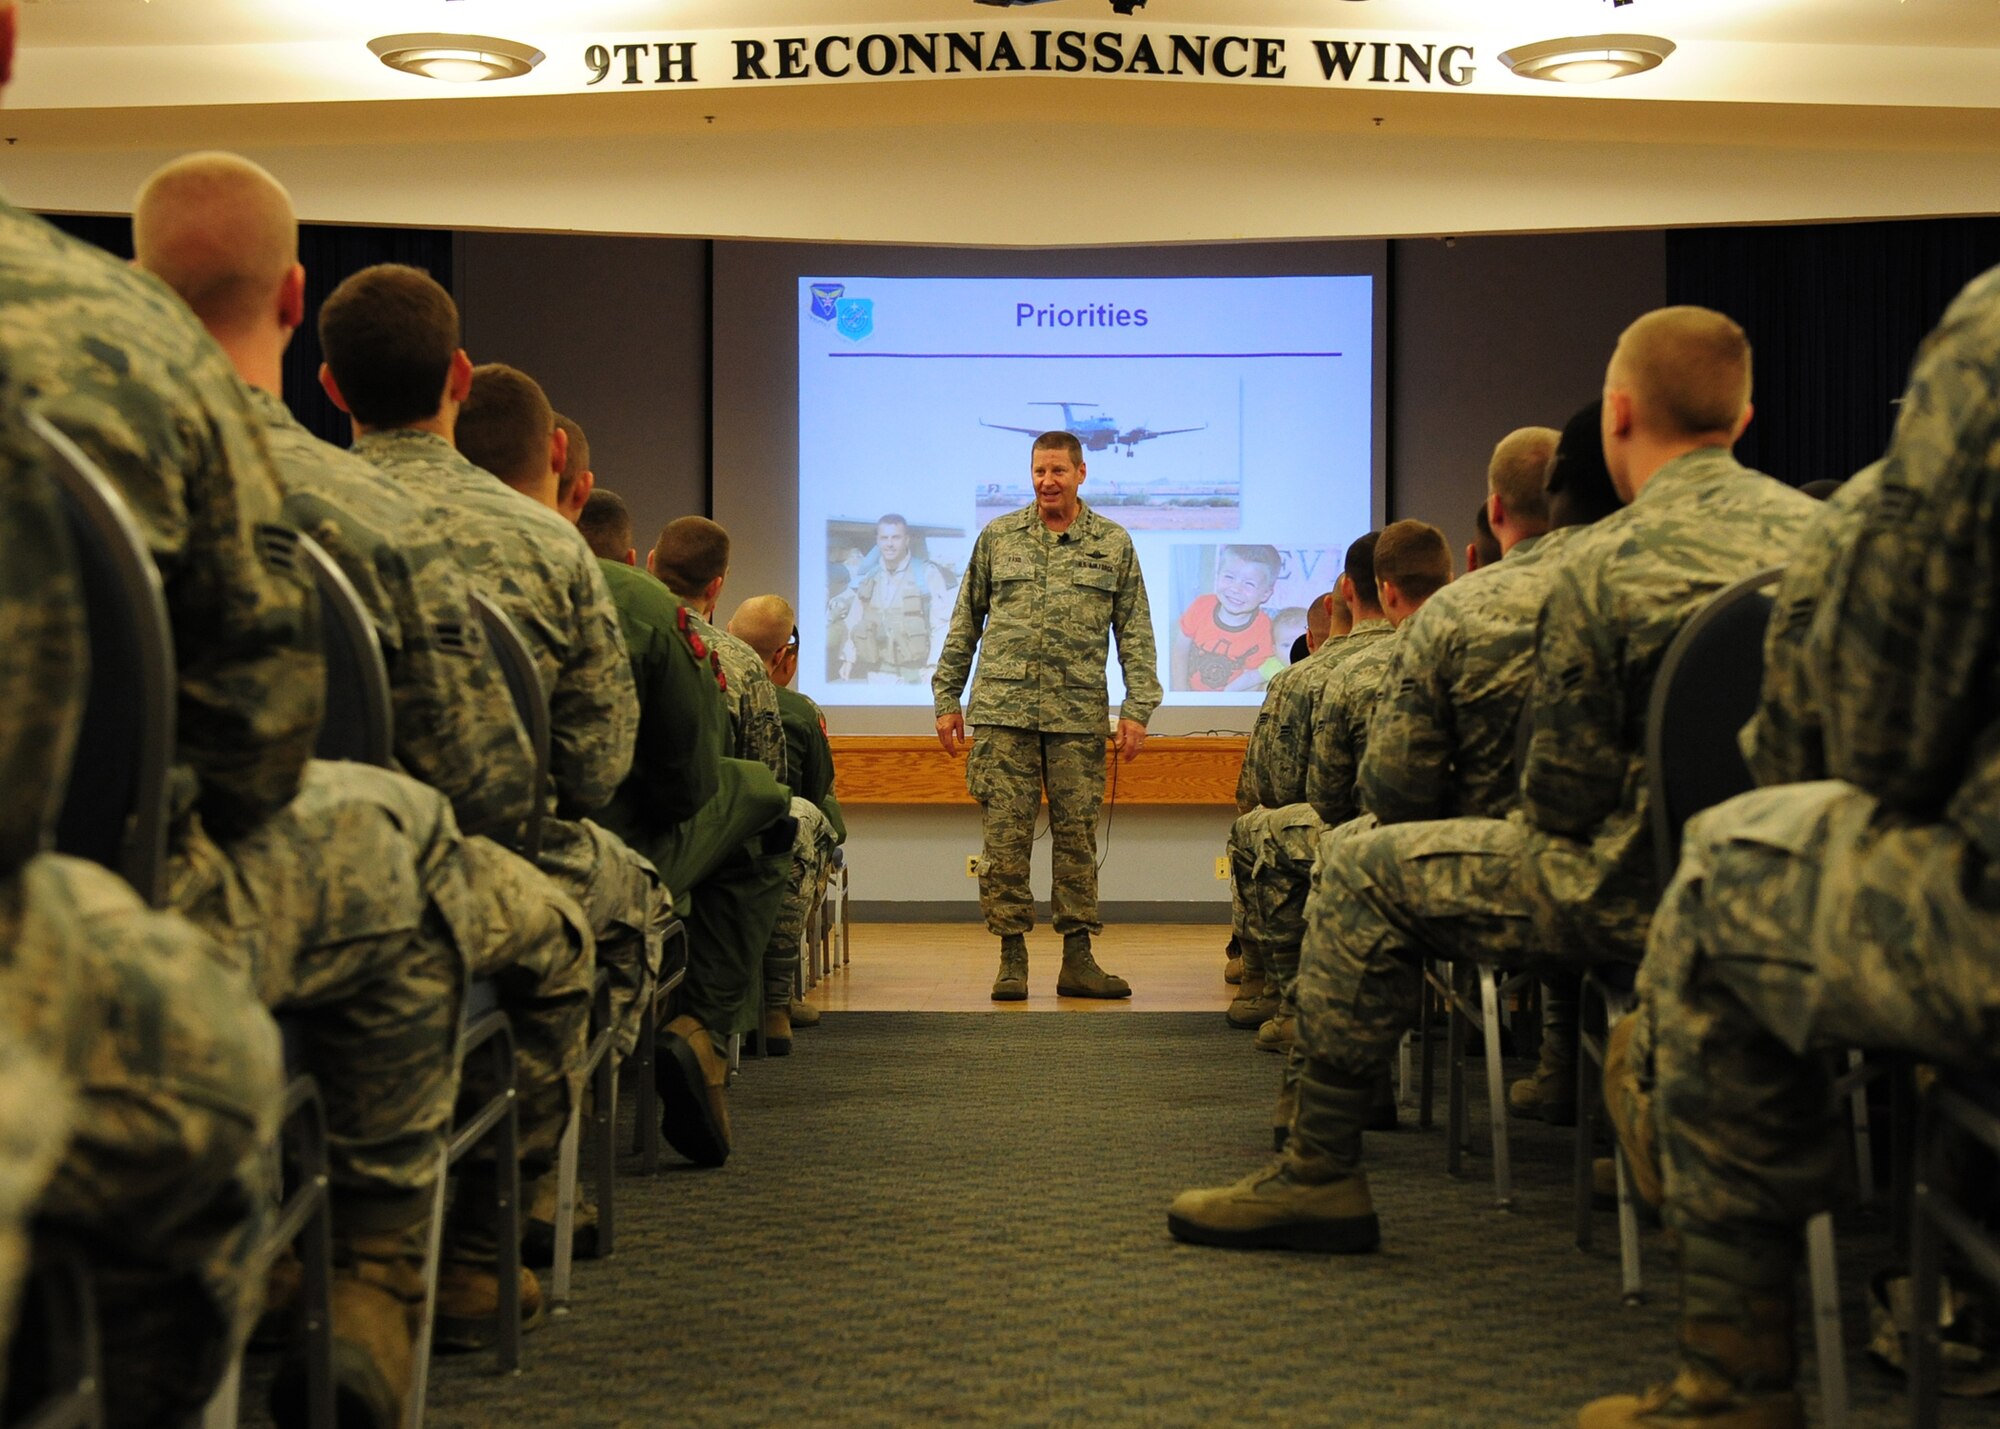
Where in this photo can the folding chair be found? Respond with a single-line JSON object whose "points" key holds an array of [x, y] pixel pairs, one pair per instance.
{"points": [[360, 721], [115, 813], [1953, 1104], [1706, 690]]}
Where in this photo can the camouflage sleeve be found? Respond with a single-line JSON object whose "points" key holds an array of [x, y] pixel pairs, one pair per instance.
{"points": [[1274, 764], [1406, 774], [594, 710], [44, 649], [1132, 626], [1340, 736], [1575, 770], [765, 734], [203, 488], [968, 621]]}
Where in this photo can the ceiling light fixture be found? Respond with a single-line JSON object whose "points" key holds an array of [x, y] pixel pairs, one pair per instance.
{"points": [[1587, 59], [459, 59]]}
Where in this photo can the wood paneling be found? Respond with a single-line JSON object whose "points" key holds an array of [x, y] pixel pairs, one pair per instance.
{"points": [[910, 769]]}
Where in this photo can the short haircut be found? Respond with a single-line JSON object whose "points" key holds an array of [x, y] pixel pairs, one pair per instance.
{"points": [[1483, 540], [1415, 556], [505, 424], [577, 461], [1688, 370], [1050, 441], [1339, 616], [606, 524], [691, 552], [1360, 568], [765, 623], [1319, 615], [219, 231], [891, 519], [389, 333], [1520, 462], [1265, 556], [1578, 480]]}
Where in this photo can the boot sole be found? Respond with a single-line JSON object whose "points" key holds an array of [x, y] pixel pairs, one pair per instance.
{"points": [[1103, 995], [1010, 994], [482, 1332], [1246, 1022], [538, 1244], [1353, 1236], [1281, 1048], [686, 1120]]}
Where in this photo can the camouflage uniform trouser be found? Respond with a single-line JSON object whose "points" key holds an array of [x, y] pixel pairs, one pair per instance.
{"points": [[1007, 772], [729, 865], [171, 1073], [1271, 857], [1803, 921], [812, 854], [1385, 899], [626, 904], [35, 1111], [331, 906]]}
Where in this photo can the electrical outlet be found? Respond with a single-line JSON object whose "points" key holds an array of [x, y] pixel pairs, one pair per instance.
{"points": [[1222, 869], [972, 865]]}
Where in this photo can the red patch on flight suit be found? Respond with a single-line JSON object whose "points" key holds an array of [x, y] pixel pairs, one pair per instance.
{"points": [[715, 664]]}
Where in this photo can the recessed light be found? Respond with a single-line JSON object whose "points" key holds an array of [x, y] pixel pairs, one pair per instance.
{"points": [[459, 59], [1587, 59]]}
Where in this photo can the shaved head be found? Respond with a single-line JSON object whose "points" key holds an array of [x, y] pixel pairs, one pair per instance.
{"points": [[220, 231], [1687, 371], [764, 623], [1516, 470]]}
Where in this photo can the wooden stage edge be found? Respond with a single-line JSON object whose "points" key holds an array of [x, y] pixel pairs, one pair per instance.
{"points": [[914, 769]]}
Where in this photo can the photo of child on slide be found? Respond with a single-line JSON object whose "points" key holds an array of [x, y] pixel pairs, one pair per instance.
{"points": [[1240, 608]]}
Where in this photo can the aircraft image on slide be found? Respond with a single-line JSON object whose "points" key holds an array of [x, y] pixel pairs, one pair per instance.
{"points": [[1096, 430]]}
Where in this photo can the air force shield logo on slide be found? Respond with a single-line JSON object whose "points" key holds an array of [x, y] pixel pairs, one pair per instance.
{"points": [[855, 318], [824, 296]]}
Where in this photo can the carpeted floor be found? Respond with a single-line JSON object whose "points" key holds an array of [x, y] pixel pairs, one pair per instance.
{"points": [[961, 1218]]}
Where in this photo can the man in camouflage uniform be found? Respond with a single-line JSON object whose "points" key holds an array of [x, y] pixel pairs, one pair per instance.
{"points": [[900, 614], [691, 557], [338, 888], [1859, 911], [1045, 589], [700, 816], [140, 1075], [769, 625], [1271, 790], [221, 232], [1567, 877]]}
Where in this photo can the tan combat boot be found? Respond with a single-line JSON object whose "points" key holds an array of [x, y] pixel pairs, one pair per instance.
{"points": [[1012, 983], [468, 1305], [377, 1301], [1631, 1109], [1730, 1378], [802, 1013], [776, 1032], [1254, 1005], [1277, 1033], [538, 1233], [1313, 1197], [1232, 971], [694, 1107], [1082, 977]]}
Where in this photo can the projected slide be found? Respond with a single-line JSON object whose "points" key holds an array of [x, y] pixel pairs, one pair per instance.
{"points": [[1225, 422]]}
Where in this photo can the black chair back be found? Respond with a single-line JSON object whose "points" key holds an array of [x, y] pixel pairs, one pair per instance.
{"points": [[1707, 689], [360, 722], [115, 808], [531, 703]]}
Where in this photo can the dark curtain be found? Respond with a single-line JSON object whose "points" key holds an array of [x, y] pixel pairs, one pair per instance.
{"points": [[1835, 313], [330, 252]]}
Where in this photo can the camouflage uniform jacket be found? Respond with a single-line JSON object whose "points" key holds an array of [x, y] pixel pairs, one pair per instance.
{"points": [[1280, 747], [1782, 742], [811, 756], [677, 760], [1340, 733], [756, 730], [1903, 643], [117, 361], [534, 566], [1441, 743], [455, 724], [1624, 588], [44, 650], [1042, 607]]}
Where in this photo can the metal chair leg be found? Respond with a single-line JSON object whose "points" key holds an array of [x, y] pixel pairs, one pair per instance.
{"points": [[1496, 1086], [1823, 1281]]}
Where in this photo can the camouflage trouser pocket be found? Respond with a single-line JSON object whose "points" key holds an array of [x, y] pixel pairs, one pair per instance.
{"points": [[976, 760]]}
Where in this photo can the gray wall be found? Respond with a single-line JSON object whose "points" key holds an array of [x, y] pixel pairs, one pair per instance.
{"points": [[1484, 336], [1490, 334], [616, 331]]}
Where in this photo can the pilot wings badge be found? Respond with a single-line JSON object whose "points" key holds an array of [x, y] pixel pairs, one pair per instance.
{"points": [[854, 318]]}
